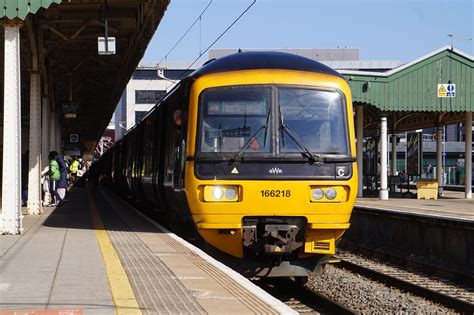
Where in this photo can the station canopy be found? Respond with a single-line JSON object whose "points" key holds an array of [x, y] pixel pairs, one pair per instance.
{"points": [[67, 32], [409, 94]]}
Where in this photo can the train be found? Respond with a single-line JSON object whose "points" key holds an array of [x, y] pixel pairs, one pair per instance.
{"points": [[256, 150]]}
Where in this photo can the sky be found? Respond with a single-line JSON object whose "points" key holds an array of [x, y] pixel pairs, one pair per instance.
{"points": [[401, 30]]}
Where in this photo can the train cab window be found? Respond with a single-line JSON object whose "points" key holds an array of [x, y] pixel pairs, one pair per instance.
{"points": [[235, 117], [316, 117]]}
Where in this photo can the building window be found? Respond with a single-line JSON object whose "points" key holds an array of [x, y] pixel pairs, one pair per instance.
{"points": [[148, 97], [145, 75], [169, 74], [139, 116], [176, 74]]}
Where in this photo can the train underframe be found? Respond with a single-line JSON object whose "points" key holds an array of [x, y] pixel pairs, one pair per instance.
{"points": [[273, 247]]}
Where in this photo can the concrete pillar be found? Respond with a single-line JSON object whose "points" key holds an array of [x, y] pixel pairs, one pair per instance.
{"points": [[11, 185], [383, 193], [45, 127], [439, 158], [360, 154], [34, 184], [468, 155], [394, 155]]}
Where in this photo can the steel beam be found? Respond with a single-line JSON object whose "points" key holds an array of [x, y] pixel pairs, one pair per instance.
{"points": [[468, 157], [383, 193], [11, 185]]}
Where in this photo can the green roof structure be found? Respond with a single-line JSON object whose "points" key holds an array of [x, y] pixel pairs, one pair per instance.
{"points": [[413, 87], [19, 9]]}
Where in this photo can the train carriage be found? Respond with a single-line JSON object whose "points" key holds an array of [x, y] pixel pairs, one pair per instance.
{"points": [[258, 150]]}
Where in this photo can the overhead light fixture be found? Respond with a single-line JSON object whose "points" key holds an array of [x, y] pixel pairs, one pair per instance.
{"points": [[70, 115]]}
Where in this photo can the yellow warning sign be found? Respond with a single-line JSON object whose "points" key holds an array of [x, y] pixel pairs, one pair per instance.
{"points": [[235, 171], [441, 90], [446, 90]]}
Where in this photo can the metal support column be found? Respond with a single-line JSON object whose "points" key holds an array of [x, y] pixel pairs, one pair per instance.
{"points": [[360, 142], [45, 129], [34, 184], [34, 180], [59, 138], [468, 155], [383, 193], [11, 185], [439, 158], [52, 130], [394, 155]]}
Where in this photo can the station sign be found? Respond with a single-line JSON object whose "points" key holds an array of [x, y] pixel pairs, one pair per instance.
{"points": [[73, 138], [106, 50], [446, 90]]}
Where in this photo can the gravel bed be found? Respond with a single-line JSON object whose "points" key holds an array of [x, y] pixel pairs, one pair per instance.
{"points": [[435, 283], [363, 295]]}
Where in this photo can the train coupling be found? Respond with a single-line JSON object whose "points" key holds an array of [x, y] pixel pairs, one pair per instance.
{"points": [[271, 238]]}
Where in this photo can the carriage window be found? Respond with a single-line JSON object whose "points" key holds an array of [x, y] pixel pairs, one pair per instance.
{"points": [[316, 117], [236, 117]]}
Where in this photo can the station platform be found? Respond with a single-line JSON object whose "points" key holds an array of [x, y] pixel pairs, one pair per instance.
{"points": [[451, 206], [97, 255]]}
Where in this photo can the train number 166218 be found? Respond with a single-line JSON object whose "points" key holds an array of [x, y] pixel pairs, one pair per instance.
{"points": [[275, 193]]}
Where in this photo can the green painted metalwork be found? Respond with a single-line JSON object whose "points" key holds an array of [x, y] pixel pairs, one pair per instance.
{"points": [[414, 88], [19, 9]]}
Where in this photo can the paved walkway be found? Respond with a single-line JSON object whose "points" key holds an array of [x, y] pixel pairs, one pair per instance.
{"points": [[452, 205], [96, 255]]}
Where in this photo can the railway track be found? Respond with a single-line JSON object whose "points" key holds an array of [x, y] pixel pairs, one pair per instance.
{"points": [[301, 298], [426, 284]]}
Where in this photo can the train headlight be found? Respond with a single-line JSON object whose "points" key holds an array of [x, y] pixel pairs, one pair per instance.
{"points": [[317, 193], [230, 193], [217, 193], [221, 193], [330, 193]]}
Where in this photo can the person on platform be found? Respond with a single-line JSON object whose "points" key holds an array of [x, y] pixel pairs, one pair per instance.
{"points": [[73, 168], [54, 177], [62, 183]]}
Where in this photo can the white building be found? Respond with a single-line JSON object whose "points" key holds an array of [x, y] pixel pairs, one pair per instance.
{"points": [[149, 83]]}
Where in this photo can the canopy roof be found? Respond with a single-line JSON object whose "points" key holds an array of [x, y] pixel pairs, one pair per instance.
{"points": [[19, 9], [413, 86]]}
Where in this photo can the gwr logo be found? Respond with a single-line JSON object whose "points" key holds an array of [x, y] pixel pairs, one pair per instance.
{"points": [[275, 170]]}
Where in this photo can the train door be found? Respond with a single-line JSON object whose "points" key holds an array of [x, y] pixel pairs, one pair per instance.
{"points": [[175, 157], [139, 167], [158, 156]]}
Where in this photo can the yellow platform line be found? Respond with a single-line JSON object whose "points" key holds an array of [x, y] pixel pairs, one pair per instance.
{"points": [[122, 292]]}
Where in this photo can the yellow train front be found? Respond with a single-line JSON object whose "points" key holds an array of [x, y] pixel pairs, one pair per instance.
{"points": [[270, 174]]}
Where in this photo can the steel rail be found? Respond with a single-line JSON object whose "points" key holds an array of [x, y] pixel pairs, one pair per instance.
{"points": [[435, 296], [285, 290]]}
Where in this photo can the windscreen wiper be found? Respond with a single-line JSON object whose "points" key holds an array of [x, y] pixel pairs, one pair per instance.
{"points": [[313, 157], [284, 127], [255, 136]]}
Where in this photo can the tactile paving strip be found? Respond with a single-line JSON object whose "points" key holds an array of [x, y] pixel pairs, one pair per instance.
{"points": [[159, 292], [252, 302]]}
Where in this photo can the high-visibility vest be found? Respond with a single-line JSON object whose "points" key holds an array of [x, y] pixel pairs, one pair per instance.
{"points": [[74, 166], [54, 173]]}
